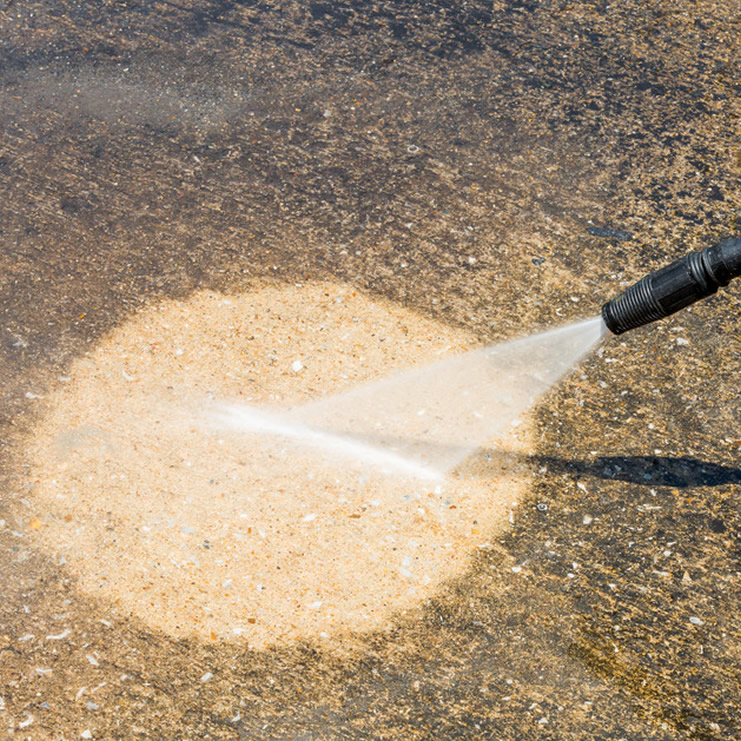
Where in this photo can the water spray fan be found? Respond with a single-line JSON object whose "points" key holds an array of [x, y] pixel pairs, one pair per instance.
{"points": [[665, 291], [426, 421]]}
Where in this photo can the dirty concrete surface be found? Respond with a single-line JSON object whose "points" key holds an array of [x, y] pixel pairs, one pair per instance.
{"points": [[502, 167]]}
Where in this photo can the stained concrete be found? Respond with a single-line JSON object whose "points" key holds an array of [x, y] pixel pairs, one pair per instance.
{"points": [[500, 166]]}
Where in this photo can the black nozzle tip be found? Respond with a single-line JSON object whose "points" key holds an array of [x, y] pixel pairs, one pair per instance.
{"points": [[609, 320], [659, 294], [633, 308], [727, 257]]}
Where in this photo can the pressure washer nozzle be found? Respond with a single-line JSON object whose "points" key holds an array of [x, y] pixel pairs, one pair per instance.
{"points": [[670, 289]]}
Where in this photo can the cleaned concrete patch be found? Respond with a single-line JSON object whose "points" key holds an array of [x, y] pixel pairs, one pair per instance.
{"points": [[158, 508]]}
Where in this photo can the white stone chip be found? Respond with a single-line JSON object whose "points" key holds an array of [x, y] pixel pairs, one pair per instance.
{"points": [[60, 636]]}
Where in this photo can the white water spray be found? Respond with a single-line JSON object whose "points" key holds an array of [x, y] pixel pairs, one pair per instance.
{"points": [[424, 422], [260, 421]]}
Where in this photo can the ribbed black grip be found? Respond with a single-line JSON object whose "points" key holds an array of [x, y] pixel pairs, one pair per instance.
{"points": [[632, 308], [670, 289]]}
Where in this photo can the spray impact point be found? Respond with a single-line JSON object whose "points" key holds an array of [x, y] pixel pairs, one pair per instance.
{"points": [[665, 291]]}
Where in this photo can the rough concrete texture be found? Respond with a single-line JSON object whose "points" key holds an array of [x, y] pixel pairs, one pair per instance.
{"points": [[502, 167]]}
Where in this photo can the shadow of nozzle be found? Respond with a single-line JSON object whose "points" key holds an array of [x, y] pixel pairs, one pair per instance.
{"points": [[680, 472]]}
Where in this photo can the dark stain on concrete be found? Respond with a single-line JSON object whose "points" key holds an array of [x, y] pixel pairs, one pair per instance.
{"points": [[151, 149]]}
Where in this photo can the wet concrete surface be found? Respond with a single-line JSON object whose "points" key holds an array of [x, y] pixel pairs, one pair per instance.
{"points": [[500, 166]]}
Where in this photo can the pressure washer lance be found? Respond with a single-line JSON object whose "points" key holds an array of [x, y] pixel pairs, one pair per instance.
{"points": [[670, 289]]}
